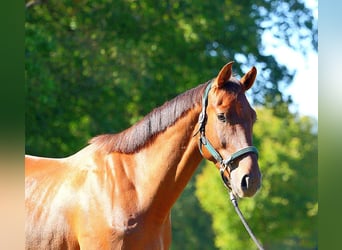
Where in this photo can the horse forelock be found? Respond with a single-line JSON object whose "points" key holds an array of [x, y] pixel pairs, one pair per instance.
{"points": [[157, 121]]}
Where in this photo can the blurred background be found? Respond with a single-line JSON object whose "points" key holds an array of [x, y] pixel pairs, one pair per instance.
{"points": [[94, 67]]}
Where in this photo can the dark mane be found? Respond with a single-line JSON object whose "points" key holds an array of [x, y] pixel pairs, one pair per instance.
{"points": [[158, 120]]}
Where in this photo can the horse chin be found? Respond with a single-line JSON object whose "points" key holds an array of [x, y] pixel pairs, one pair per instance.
{"points": [[243, 194], [238, 192]]}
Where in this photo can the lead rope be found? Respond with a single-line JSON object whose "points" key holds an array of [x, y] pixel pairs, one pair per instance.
{"points": [[244, 222]]}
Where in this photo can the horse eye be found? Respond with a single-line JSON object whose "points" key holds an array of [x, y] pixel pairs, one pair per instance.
{"points": [[221, 117]]}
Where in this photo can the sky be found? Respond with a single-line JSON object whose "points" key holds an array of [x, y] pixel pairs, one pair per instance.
{"points": [[304, 88]]}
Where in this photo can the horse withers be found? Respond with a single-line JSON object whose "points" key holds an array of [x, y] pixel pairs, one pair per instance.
{"points": [[117, 192]]}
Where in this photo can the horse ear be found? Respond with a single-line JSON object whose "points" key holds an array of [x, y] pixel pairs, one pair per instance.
{"points": [[224, 75], [248, 79]]}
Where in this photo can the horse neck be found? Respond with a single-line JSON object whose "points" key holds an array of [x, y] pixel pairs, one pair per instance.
{"points": [[166, 165]]}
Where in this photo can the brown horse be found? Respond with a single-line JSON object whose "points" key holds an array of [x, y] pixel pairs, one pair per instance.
{"points": [[117, 192]]}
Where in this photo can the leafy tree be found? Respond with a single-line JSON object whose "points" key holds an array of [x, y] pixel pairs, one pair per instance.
{"points": [[99, 66], [283, 214]]}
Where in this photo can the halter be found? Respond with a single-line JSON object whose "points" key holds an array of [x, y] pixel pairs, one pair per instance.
{"points": [[224, 164]]}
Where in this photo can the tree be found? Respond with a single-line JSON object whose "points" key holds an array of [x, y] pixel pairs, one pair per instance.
{"points": [[89, 62], [283, 214]]}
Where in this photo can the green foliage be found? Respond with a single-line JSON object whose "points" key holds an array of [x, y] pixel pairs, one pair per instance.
{"points": [[283, 214], [108, 63]]}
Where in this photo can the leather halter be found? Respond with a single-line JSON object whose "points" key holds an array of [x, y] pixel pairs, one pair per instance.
{"points": [[203, 141]]}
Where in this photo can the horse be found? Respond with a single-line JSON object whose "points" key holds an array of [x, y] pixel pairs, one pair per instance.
{"points": [[117, 192]]}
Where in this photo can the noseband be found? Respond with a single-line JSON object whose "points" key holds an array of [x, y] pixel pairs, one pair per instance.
{"points": [[203, 141]]}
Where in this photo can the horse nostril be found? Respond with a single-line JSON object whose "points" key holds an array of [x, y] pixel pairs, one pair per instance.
{"points": [[245, 182]]}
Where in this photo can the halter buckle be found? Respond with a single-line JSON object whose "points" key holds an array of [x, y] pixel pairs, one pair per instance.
{"points": [[225, 180]]}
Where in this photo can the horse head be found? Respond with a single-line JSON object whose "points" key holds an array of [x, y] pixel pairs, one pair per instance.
{"points": [[226, 124]]}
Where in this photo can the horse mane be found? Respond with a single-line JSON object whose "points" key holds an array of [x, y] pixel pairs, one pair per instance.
{"points": [[157, 121]]}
